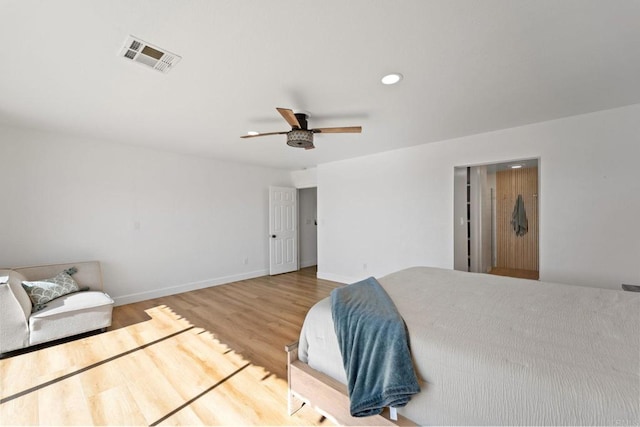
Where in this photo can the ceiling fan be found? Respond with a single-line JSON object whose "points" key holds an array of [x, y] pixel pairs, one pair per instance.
{"points": [[300, 136]]}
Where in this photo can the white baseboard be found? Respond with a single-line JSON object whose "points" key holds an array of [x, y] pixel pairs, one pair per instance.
{"points": [[336, 277], [172, 290]]}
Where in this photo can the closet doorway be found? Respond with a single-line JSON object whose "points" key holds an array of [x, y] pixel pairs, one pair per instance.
{"points": [[496, 218]]}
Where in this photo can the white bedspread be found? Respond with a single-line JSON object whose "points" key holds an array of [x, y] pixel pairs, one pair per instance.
{"points": [[493, 350]]}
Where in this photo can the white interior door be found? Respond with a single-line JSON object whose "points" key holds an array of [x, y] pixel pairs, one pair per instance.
{"points": [[283, 232]]}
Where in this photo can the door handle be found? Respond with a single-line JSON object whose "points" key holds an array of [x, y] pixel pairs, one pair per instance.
{"points": [[273, 236]]}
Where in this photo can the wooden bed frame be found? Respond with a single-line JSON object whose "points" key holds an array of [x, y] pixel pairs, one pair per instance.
{"points": [[326, 395]]}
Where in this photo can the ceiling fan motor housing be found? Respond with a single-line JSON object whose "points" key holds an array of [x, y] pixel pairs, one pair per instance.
{"points": [[300, 138]]}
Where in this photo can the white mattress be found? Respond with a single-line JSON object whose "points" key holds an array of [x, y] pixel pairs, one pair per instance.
{"points": [[492, 350]]}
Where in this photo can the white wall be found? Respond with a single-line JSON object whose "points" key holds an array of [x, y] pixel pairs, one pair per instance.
{"points": [[305, 178], [384, 212], [160, 223], [308, 231]]}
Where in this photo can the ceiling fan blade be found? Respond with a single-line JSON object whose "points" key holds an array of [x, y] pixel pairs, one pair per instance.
{"points": [[349, 129], [264, 134], [290, 117]]}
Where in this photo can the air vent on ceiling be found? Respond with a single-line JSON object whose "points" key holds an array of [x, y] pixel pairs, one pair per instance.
{"points": [[149, 55]]}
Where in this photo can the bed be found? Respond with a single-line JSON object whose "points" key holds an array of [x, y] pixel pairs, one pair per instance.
{"points": [[491, 350]]}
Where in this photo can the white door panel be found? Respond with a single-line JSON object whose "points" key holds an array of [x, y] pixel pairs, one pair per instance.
{"points": [[283, 247]]}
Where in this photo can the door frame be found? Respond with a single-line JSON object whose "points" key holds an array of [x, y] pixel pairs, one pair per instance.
{"points": [[458, 205], [283, 236]]}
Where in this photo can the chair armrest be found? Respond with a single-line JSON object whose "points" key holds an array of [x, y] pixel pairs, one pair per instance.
{"points": [[15, 309]]}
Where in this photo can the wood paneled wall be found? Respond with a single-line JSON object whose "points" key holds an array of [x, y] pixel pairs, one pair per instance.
{"points": [[518, 252]]}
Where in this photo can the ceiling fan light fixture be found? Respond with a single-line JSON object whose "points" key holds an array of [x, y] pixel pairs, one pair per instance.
{"points": [[391, 79], [300, 138]]}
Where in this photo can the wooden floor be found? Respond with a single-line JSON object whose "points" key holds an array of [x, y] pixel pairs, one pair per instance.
{"points": [[208, 357], [513, 272]]}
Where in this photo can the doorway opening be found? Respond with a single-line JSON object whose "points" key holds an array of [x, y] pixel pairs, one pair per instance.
{"points": [[308, 226], [293, 235], [496, 219]]}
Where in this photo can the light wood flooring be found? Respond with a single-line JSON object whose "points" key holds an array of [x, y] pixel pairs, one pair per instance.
{"points": [[214, 356], [514, 272]]}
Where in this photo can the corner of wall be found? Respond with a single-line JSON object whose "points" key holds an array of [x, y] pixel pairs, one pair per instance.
{"points": [[305, 178]]}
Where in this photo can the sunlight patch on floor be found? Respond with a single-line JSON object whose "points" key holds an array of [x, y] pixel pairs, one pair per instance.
{"points": [[163, 371]]}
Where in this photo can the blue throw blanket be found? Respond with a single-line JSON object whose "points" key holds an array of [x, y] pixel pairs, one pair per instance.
{"points": [[373, 341]]}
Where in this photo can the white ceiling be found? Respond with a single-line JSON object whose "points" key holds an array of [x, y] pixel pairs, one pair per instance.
{"points": [[469, 67]]}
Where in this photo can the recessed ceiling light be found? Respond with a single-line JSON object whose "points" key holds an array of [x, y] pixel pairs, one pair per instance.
{"points": [[516, 166], [252, 133], [391, 79]]}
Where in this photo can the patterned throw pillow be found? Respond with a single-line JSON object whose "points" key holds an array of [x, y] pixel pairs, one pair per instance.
{"points": [[42, 291]]}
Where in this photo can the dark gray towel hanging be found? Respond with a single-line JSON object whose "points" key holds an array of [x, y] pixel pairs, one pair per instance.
{"points": [[519, 220]]}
